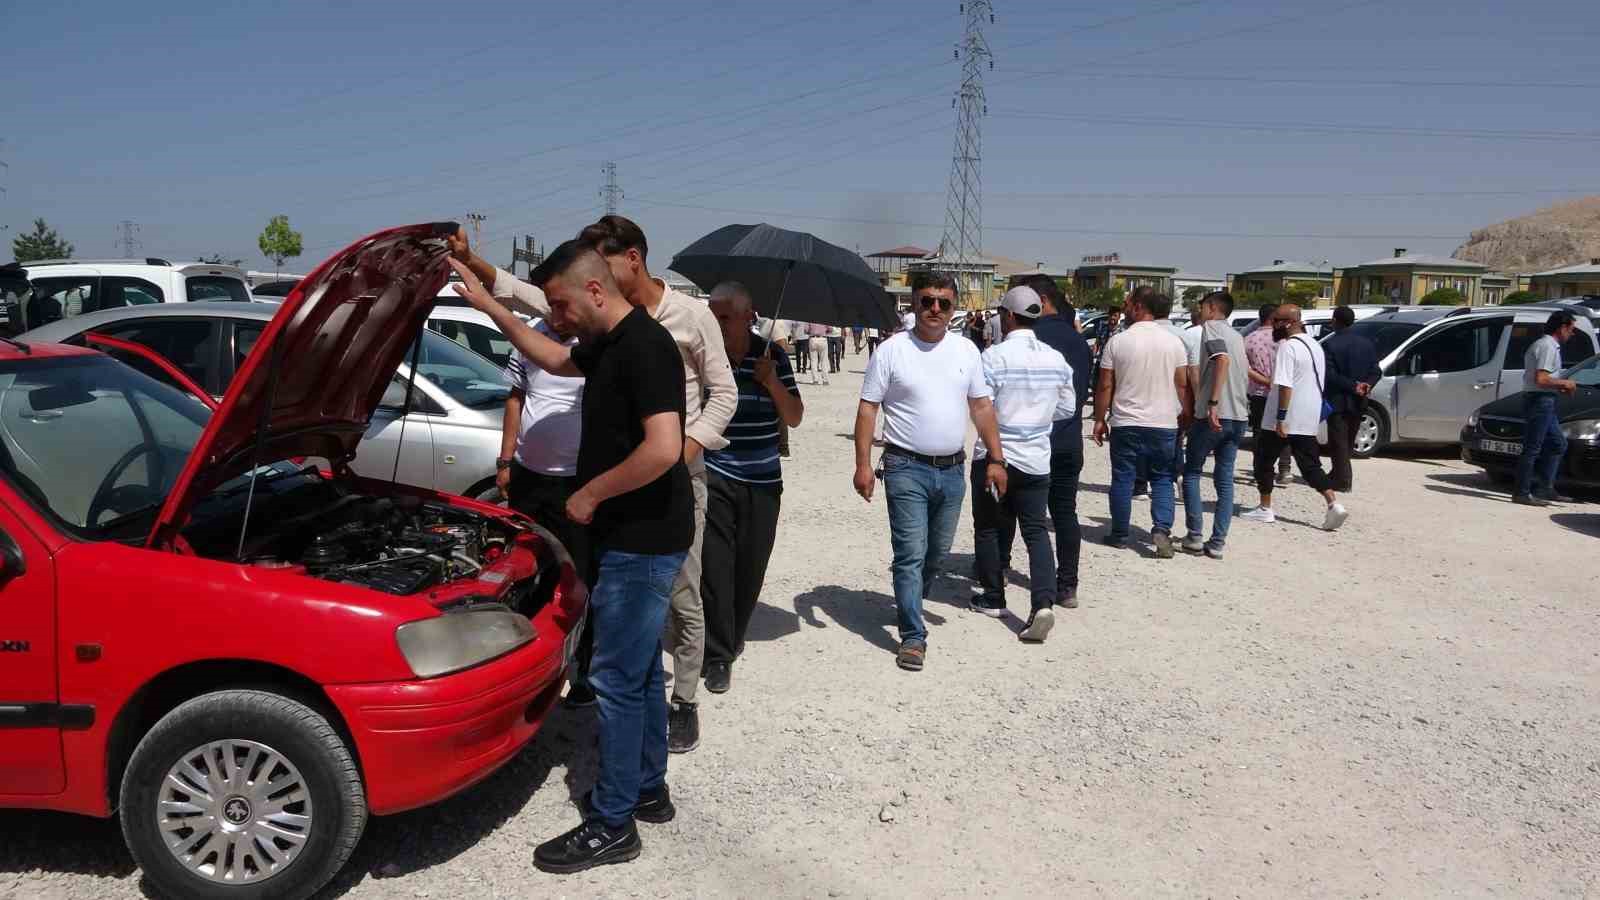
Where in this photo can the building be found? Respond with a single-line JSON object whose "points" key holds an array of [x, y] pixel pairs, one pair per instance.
{"points": [[1568, 281], [1495, 287], [1282, 274], [1184, 282], [891, 266], [1406, 278], [1109, 271]]}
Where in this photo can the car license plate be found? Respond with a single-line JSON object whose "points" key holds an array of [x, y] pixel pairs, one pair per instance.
{"points": [[1506, 447]]}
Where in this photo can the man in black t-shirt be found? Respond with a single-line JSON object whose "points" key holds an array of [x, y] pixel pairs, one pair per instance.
{"points": [[635, 496]]}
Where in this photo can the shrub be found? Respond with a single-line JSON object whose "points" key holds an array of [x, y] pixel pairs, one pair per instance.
{"points": [[1443, 297]]}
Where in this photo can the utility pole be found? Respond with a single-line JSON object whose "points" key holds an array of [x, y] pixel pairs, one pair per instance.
{"points": [[129, 244], [477, 220], [609, 191], [963, 217]]}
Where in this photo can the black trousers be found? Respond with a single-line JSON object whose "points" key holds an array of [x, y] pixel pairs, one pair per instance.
{"points": [[1066, 464], [543, 498], [1342, 447], [1258, 408], [1025, 504], [1306, 456], [741, 525], [802, 355]]}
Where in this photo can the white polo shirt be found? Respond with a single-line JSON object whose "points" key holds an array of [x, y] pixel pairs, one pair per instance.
{"points": [[923, 389], [1145, 358]]}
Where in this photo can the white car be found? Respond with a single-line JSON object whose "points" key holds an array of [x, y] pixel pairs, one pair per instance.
{"points": [[63, 288], [471, 329]]}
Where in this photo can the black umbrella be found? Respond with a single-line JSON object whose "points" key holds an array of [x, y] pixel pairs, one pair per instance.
{"points": [[790, 272]]}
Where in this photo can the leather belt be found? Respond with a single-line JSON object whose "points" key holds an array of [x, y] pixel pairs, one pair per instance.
{"points": [[938, 462]]}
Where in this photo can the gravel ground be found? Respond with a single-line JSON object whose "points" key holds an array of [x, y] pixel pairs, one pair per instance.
{"points": [[1408, 707]]}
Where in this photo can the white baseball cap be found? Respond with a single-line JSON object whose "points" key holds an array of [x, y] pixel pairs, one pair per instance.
{"points": [[1023, 301]]}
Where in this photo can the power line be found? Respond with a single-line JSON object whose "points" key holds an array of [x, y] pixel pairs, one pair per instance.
{"points": [[1310, 127], [1340, 82], [1208, 196]]}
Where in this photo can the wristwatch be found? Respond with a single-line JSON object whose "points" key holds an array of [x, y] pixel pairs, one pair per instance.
{"points": [[1214, 403], [503, 462]]}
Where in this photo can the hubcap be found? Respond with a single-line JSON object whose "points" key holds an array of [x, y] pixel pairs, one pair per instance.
{"points": [[1367, 434], [234, 812]]}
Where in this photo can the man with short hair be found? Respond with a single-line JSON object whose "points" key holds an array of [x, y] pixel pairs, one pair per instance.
{"points": [[1295, 406], [744, 483], [1058, 328], [1141, 402], [929, 384], [1261, 352], [635, 498], [1543, 442], [1221, 410], [1352, 371], [1032, 386]]}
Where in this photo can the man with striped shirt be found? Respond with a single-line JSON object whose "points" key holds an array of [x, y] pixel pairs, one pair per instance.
{"points": [[744, 482]]}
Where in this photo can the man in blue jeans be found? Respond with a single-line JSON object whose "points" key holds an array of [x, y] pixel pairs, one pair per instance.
{"points": [[637, 500], [1217, 369], [1141, 401], [1543, 443], [928, 382]]}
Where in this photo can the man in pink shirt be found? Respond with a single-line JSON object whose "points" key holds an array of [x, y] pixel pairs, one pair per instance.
{"points": [[1261, 351]]}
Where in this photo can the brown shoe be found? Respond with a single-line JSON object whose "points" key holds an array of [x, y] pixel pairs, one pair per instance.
{"points": [[910, 656]]}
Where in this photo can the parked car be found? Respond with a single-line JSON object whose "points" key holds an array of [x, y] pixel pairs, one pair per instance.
{"points": [[1492, 436], [275, 290], [239, 656], [1440, 364], [471, 329], [65, 288], [448, 441]]}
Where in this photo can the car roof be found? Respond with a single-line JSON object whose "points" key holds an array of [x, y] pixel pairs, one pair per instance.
{"points": [[41, 350], [47, 268], [231, 309], [1419, 316]]}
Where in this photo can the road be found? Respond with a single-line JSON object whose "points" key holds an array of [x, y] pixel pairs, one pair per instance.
{"points": [[1408, 707]]}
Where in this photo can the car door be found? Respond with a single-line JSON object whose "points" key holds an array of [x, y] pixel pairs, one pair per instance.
{"points": [[191, 344], [390, 435], [30, 712], [1445, 376]]}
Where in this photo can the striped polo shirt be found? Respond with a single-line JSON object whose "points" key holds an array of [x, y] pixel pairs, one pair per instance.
{"points": [[752, 452]]}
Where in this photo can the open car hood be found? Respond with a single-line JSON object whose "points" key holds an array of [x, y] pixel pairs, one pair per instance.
{"points": [[311, 383]]}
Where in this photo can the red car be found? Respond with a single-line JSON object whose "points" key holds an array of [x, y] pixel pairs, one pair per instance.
{"points": [[238, 653]]}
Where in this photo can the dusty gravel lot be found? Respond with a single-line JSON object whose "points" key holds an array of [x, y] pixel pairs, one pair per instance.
{"points": [[1410, 707]]}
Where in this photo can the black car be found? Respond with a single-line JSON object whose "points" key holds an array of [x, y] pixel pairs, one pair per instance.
{"points": [[1492, 436]]}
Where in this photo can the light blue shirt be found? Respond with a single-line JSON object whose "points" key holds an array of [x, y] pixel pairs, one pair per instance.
{"points": [[1032, 385]]}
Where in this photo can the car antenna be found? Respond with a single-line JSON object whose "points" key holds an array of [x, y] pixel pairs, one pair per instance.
{"points": [[405, 408], [16, 343], [261, 437]]}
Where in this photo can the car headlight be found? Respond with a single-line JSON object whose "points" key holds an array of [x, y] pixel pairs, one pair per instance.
{"points": [[1472, 419], [1582, 430], [460, 640]]}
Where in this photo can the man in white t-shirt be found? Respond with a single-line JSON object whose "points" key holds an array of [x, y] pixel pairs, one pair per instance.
{"points": [[929, 383], [1294, 409], [1142, 399]]}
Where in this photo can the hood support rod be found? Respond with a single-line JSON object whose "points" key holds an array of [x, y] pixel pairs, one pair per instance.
{"points": [[405, 408], [261, 437]]}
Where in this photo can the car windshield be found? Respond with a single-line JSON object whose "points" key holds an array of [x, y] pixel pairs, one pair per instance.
{"points": [[1385, 335], [468, 378], [1586, 373], [216, 287], [93, 441]]}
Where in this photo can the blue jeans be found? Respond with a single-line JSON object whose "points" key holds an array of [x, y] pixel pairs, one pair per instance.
{"points": [[1224, 444], [1026, 501], [629, 609], [1150, 449], [924, 510], [1543, 444]]}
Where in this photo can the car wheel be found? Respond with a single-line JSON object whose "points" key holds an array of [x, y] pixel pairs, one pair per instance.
{"points": [[1371, 434], [242, 794]]}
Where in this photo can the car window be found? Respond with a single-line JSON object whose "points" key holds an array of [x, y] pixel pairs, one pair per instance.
{"points": [[273, 289], [481, 339], [55, 299], [245, 335], [1578, 348], [1585, 373], [189, 344], [1459, 348], [1385, 336], [123, 291], [470, 379], [215, 287]]}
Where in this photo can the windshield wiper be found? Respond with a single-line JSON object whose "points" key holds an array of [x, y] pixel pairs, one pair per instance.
{"points": [[126, 518], [17, 344]]}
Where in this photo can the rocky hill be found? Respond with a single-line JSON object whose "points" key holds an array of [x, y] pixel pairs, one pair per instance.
{"points": [[1560, 235]]}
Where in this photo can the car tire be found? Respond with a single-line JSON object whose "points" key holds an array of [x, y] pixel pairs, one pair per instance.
{"points": [[1372, 433], [307, 769]]}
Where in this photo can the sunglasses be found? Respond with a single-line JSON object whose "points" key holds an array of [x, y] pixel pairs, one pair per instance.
{"points": [[929, 302]]}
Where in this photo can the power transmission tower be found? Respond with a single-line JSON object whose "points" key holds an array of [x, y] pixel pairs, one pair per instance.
{"points": [[610, 192], [129, 244], [477, 220], [963, 218]]}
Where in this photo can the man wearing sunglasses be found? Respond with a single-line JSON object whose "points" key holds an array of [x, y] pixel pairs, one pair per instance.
{"points": [[928, 383]]}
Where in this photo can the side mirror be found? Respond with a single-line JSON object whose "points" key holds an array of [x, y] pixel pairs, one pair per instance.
{"points": [[12, 563]]}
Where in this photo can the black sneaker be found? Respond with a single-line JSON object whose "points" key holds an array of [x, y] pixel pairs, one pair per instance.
{"points": [[1115, 543], [683, 727], [590, 844], [1529, 500], [579, 696], [1554, 497], [1067, 598], [993, 607], [654, 806], [719, 677]]}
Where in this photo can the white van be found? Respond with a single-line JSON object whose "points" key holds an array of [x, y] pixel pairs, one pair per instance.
{"points": [[63, 288]]}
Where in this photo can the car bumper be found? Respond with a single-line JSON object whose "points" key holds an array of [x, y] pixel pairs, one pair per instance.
{"points": [[1580, 468], [422, 741]]}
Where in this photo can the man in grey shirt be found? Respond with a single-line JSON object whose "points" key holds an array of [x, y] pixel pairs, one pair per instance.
{"points": [[1218, 370], [1543, 443]]}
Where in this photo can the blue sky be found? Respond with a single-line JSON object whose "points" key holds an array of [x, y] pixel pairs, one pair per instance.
{"points": [[1210, 136]]}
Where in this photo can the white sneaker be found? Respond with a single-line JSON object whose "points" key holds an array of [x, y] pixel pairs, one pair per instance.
{"points": [[1039, 625], [1262, 514], [1336, 516]]}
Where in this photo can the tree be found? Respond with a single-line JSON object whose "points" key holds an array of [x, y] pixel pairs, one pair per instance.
{"points": [[1193, 293], [43, 243], [1445, 296], [216, 259], [278, 242], [1302, 293], [1100, 298], [1517, 298]]}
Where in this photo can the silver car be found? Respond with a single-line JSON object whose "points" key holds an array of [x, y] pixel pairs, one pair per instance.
{"points": [[448, 442]]}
